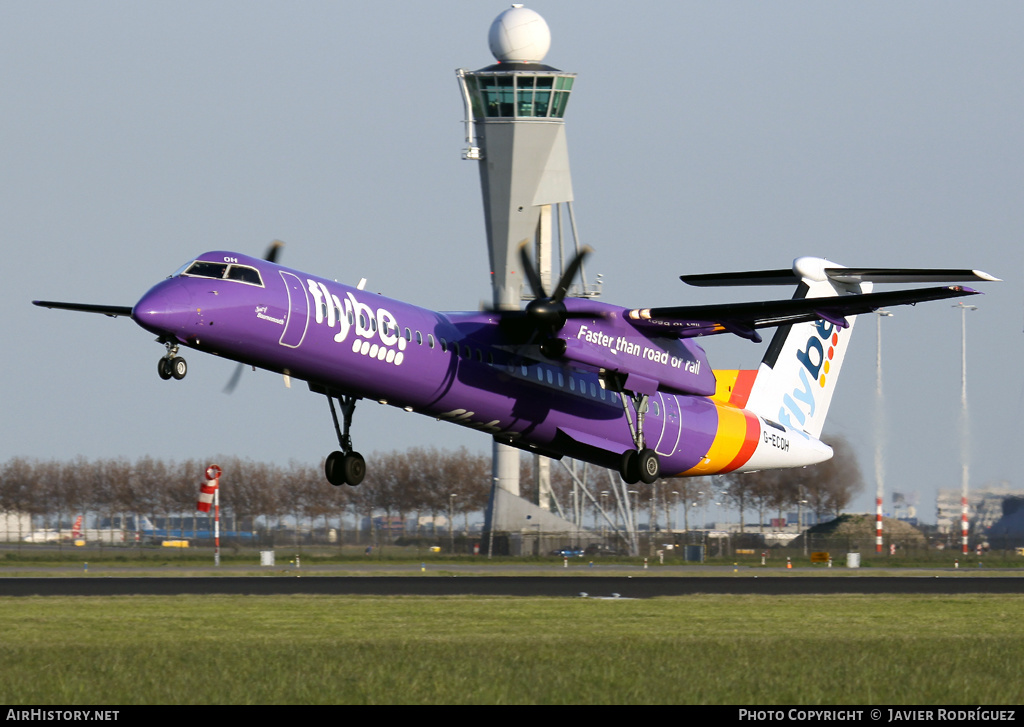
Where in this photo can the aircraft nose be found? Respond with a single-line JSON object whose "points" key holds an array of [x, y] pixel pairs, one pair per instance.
{"points": [[166, 309]]}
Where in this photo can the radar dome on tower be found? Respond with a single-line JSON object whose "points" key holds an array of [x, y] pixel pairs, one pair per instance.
{"points": [[519, 35]]}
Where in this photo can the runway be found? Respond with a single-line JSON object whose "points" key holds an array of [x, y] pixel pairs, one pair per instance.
{"points": [[570, 586]]}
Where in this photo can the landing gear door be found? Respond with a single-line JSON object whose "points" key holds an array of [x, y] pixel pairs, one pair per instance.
{"points": [[673, 426], [298, 311]]}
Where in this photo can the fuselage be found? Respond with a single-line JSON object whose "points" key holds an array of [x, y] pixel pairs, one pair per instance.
{"points": [[463, 367]]}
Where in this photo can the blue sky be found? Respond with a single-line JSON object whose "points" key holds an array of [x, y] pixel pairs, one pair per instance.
{"points": [[703, 137]]}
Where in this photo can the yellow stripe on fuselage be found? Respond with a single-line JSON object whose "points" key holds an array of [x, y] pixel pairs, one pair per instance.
{"points": [[730, 438]]}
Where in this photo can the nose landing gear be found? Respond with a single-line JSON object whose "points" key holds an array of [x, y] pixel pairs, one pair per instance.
{"points": [[171, 365]]}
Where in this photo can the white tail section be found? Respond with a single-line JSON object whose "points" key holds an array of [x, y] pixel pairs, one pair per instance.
{"points": [[797, 377]]}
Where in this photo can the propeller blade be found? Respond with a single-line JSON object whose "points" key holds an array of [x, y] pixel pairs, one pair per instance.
{"points": [[271, 257], [570, 274], [235, 378], [271, 254], [532, 277]]}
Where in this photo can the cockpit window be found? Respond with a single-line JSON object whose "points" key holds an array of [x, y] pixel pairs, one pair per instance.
{"points": [[200, 269], [224, 271], [244, 274]]}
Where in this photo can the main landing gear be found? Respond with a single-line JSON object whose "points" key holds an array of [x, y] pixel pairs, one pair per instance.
{"points": [[345, 467], [171, 365], [640, 464]]}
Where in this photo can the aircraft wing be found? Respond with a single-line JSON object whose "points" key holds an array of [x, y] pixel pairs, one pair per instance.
{"points": [[743, 319], [108, 310]]}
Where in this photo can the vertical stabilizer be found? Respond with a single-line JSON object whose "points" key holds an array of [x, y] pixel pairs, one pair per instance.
{"points": [[798, 375]]}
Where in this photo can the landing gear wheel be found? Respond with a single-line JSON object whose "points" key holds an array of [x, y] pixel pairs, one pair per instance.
{"points": [[354, 467], [163, 367], [629, 467], [345, 469], [648, 466], [178, 368], [333, 470]]}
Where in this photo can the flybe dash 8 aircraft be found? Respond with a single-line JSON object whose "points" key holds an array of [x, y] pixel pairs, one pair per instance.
{"points": [[629, 389]]}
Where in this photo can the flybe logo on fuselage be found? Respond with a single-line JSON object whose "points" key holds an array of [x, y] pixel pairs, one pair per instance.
{"points": [[368, 323], [815, 359]]}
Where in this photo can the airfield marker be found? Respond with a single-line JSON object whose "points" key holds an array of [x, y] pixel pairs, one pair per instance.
{"points": [[209, 492]]}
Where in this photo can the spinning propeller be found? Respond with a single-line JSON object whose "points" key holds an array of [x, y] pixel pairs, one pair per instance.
{"points": [[546, 314], [271, 257]]}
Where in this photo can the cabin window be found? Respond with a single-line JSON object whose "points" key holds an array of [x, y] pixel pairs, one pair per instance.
{"points": [[444, 345], [655, 409], [430, 340], [408, 335], [455, 346]]}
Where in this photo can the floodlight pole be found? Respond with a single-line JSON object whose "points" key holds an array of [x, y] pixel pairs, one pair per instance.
{"points": [[964, 427], [879, 434]]}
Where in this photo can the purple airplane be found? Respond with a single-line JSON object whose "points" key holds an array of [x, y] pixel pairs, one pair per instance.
{"points": [[627, 389]]}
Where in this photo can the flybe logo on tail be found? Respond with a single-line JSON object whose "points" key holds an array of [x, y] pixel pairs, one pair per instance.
{"points": [[815, 359]]}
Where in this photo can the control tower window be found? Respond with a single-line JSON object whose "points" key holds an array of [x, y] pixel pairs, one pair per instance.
{"points": [[542, 96], [499, 95], [562, 88], [519, 95]]}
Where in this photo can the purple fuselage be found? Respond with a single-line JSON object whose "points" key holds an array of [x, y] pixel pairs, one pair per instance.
{"points": [[458, 367]]}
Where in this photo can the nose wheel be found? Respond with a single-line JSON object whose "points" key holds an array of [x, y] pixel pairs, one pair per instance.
{"points": [[171, 365]]}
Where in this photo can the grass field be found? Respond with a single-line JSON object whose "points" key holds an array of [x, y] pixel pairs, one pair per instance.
{"points": [[743, 650]]}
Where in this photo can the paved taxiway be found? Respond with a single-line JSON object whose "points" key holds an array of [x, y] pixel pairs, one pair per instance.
{"points": [[562, 586]]}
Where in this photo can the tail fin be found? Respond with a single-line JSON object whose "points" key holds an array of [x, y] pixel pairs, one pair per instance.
{"points": [[797, 377], [76, 529]]}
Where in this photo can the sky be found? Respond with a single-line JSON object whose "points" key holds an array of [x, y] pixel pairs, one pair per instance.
{"points": [[703, 137]]}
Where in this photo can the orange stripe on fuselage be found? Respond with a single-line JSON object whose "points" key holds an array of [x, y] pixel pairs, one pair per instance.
{"points": [[735, 441], [733, 387]]}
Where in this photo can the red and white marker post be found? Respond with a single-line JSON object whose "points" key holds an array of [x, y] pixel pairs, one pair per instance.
{"points": [[209, 493], [963, 523], [878, 524]]}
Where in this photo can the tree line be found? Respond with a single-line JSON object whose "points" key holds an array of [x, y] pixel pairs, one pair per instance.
{"points": [[416, 482]]}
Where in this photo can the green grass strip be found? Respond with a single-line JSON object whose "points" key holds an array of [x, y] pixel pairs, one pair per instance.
{"points": [[744, 650]]}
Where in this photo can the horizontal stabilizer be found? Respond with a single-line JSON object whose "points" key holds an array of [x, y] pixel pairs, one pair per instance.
{"points": [[745, 318], [847, 276], [108, 310]]}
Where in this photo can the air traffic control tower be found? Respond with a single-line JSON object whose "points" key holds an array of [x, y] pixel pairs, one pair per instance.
{"points": [[515, 130]]}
